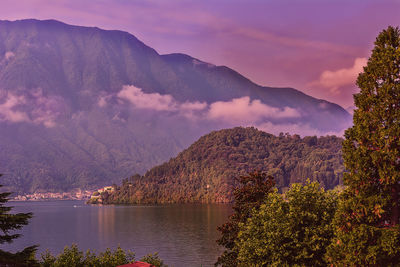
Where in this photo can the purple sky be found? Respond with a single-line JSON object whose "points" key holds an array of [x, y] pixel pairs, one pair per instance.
{"points": [[317, 46]]}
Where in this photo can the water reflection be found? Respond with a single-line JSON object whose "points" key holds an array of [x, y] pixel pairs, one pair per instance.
{"points": [[106, 223], [184, 235]]}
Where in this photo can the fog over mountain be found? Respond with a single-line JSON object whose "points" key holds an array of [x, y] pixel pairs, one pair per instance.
{"points": [[84, 107]]}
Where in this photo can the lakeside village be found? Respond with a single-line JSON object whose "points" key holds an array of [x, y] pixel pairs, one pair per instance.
{"points": [[76, 194]]}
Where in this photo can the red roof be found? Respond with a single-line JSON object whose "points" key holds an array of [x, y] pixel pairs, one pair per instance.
{"points": [[137, 264]]}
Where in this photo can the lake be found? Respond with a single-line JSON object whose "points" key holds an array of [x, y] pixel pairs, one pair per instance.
{"points": [[183, 235]]}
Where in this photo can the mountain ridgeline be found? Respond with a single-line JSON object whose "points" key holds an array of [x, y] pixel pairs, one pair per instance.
{"points": [[208, 170], [82, 107]]}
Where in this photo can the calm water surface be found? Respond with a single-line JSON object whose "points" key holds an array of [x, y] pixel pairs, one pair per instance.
{"points": [[184, 235]]}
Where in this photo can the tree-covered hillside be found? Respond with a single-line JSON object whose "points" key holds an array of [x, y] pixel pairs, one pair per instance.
{"points": [[207, 170]]}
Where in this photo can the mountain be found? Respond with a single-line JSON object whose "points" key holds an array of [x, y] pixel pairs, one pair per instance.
{"points": [[84, 107], [207, 170]]}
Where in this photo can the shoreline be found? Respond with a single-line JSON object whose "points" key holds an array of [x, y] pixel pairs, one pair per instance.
{"points": [[47, 199], [72, 195]]}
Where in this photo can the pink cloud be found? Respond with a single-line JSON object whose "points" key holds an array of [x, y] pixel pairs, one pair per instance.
{"points": [[154, 101], [290, 41], [243, 110], [33, 108], [236, 111], [8, 108], [333, 80], [8, 55]]}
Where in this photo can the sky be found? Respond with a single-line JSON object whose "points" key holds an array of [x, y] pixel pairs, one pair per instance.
{"points": [[316, 46]]}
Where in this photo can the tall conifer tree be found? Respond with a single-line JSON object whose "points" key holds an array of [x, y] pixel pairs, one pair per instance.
{"points": [[8, 223], [367, 220]]}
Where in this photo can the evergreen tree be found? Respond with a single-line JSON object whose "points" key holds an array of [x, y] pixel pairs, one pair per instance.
{"points": [[367, 221], [8, 223], [250, 194]]}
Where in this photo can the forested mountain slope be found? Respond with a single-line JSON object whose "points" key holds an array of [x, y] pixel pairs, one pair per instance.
{"points": [[206, 171]]}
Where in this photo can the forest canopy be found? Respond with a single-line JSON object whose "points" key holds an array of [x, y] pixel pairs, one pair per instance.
{"points": [[207, 171]]}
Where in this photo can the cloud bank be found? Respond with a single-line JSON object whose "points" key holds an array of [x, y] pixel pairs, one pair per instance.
{"points": [[34, 108], [38, 108], [237, 111], [241, 111]]}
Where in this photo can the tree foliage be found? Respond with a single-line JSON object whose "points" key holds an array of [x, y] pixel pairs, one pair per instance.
{"points": [[73, 257], [204, 172], [250, 194], [8, 224], [288, 230], [367, 222], [153, 259]]}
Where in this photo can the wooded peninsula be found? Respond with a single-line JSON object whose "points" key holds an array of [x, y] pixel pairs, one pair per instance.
{"points": [[209, 169]]}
